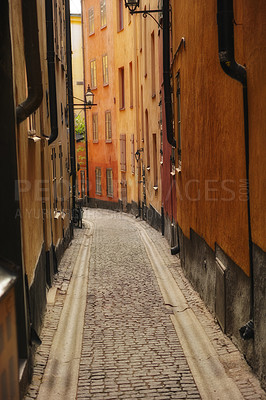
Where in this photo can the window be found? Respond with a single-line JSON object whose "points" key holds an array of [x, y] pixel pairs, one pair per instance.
{"points": [[155, 166], [153, 89], [53, 157], [142, 114], [161, 129], [98, 180], [130, 85], [120, 15], [132, 154], [178, 103], [140, 34], [82, 178], [91, 21], [56, 39], [93, 74], [122, 88], [95, 137], [108, 126], [147, 142], [109, 182], [32, 124], [103, 13], [105, 70], [61, 177], [145, 46], [123, 165]]}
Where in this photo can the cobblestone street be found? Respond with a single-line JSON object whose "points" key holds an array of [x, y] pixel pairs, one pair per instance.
{"points": [[130, 348]]}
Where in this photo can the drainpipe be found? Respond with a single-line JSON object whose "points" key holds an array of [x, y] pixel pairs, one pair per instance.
{"points": [[51, 70], [70, 105], [225, 20], [85, 113], [166, 74], [32, 58]]}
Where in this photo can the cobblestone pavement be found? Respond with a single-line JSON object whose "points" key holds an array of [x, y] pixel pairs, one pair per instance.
{"points": [[130, 348]]}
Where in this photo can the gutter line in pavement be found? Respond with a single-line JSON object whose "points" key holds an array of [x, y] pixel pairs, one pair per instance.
{"points": [[61, 374]]}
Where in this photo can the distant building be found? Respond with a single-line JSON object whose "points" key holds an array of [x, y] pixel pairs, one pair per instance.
{"points": [[79, 114], [99, 58]]}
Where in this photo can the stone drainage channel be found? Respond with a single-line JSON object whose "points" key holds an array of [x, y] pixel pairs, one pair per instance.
{"points": [[60, 377]]}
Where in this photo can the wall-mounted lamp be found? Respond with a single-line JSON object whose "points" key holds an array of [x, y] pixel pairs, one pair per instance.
{"points": [[132, 5], [137, 154], [88, 103]]}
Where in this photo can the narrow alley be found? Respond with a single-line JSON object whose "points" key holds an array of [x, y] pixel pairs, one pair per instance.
{"points": [[122, 322]]}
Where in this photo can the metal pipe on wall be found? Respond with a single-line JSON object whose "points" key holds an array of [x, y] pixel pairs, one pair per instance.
{"points": [[166, 74], [51, 71], [33, 63], [225, 21], [70, 104]]}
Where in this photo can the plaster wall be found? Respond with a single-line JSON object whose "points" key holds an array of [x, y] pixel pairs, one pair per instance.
{"points": [[101, 153], [125, 53], [147, 50]]}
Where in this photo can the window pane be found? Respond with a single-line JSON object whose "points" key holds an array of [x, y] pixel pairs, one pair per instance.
{"points": [[120, 15], [98, 180], [95, 127], [108, 126], [109, 182], [93, 74], [103, 13], [91, 21], [105, 70]]}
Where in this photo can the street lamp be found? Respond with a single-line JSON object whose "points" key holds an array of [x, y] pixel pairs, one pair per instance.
{"points": [[88, 103], [89, 96], [132, 5]]}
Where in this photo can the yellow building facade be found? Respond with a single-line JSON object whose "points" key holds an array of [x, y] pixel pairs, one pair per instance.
{"points": [[35, 149]]}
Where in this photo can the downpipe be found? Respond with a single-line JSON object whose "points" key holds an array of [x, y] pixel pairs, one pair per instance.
{"points": [[166, 74], [51, 71], [32, 59], [70, 105], [225, 21]]}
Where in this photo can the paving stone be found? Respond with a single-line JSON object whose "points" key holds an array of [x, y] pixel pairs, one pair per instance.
{"points": [[131, 330], [130, 349]]}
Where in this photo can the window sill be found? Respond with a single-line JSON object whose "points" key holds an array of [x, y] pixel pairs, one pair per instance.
{"points": [[103, 27], [91, 34], [153, 96], [110, 196], [33, 137], [172, 173], [122, 109], [108, 141], [178, 170], [63, 215], [148, 168], [106, 84], [95, 141], [155, 188]]}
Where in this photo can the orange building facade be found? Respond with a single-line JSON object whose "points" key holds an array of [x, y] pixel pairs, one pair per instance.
{"points": [[98, 42], [220, 134]]}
